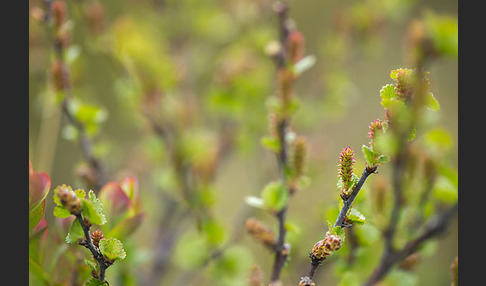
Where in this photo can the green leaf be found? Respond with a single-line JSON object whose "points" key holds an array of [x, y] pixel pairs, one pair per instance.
{"points": [[368, 155], [387, 92], [215, 233], [445, 190], [275, 196], [355, 216], [93, 209], [38, 271], [431, 103], [112, 249], [61, 212], [382, 159], [336, 230], [75, 233], [92, 264], [36, 215], [304, 64], [272, 143]]}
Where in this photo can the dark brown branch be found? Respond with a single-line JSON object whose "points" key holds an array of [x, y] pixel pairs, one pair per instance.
{"points": [[88, 243], [436, 226], [347, 203]]}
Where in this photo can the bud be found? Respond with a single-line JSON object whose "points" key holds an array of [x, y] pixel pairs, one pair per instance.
{"points": [[410, 262], [69, 200], [300, 152], [346, 170], [376, 128], [256, 276], [260, 232], [295, 46], [325, 247], [96, 236], [59, 13], [306, 281]]}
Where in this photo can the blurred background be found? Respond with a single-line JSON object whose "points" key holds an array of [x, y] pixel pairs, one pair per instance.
{"points": [[207, 60]]}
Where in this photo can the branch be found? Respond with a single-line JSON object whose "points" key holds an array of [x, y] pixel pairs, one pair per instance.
{"points": [[347, 202], [65, 86], [436, 226], [88, 243]]}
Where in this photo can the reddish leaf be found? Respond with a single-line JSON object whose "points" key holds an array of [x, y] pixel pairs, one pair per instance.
{"points": [[39, 185]]}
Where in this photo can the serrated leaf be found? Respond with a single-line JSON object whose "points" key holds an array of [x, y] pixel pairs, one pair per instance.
{"points": [[368, 155], [93, 209], [355, 216], [75, 233], [387, 92], [92, 264], [304, 64], [112, 249], [336, 230], [255, 202], [90, 213], [61, 212], [270, 142], [275, 196]]}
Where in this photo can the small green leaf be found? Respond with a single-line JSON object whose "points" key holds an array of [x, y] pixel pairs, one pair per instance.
{"points": [[75, 233], [387, 92], [355, 216], [304, 64], [36, 215], [368, 155], [272, 143], [382, 159], [61, 212], [275, 196], [112, 249], [92, 264]]}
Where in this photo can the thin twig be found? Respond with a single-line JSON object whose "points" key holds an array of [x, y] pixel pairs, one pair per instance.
{"points": [[436, 226], [88, 243]]}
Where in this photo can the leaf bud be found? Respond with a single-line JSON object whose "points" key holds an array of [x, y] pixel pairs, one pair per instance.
{"points": [[300, 152], [260, 232], [325, 247], [96, 236], [59, 13], [306, 281], [69, 200], [346, 170]]}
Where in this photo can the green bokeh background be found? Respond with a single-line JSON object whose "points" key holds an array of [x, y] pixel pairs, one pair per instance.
{"points": [[196, 35]]}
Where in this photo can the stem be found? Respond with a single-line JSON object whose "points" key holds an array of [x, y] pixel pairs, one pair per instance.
{"points": [[436, 226], [88, 243], [349, 201], [84, 141]]}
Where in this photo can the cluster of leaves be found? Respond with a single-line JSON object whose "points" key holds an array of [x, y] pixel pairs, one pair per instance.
{"points": [[90, 213]]}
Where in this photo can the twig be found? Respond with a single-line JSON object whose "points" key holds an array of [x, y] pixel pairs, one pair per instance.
{"points": [[84, 141], [88, 243], [436, 226], [347, 202]]}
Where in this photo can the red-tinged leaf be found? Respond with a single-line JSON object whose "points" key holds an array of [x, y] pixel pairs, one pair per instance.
{"points": [[130, 187], [39, 185], [115, 201]]}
